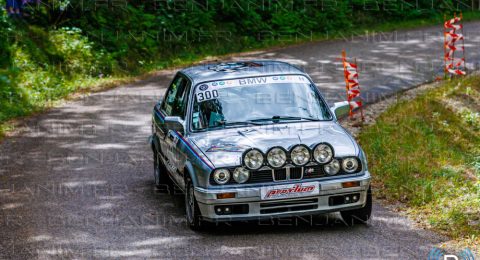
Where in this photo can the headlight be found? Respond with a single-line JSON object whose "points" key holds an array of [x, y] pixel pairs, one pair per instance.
{"points": [[241, 175], [333, 167], [350, 165], [276, 157], [221, 176], [253, 159], [300, 155], [323, 153]]}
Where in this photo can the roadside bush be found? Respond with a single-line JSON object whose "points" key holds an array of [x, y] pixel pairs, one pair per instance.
{"points": [[71, 44]]}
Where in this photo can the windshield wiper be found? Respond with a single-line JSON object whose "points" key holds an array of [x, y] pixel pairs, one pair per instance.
{"points": [[275, 119], [233, 123], [279, 118], [224, 123]]}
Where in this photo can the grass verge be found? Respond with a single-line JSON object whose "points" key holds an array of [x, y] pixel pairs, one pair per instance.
{"points": [[425, 153]]}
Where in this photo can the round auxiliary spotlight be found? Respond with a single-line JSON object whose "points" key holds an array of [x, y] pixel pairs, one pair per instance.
{"points": [[300, 155], [277, 157], [253, 159], [323, 153]]}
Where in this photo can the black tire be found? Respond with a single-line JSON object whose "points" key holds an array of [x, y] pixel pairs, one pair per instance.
{"points": [[361, 215], [192, 211], [160, 174]]}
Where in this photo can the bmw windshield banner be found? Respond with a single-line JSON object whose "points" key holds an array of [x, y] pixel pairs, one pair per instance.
{"points": [[208, 91]]}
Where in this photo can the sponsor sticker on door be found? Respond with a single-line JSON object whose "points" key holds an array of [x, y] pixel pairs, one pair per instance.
{"points": [[290, 191]]}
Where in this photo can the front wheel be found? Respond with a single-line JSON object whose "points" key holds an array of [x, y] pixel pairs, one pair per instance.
{"points": [[191, 208], [361, 215]]}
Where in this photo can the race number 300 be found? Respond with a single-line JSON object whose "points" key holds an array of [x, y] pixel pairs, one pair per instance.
{"points": [[207, 95]]}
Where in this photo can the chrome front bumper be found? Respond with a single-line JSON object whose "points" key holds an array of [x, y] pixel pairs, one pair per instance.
{"points": [[258, 209]]}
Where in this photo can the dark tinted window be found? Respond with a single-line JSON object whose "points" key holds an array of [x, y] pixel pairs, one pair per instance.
{"points": [[176, 98]]}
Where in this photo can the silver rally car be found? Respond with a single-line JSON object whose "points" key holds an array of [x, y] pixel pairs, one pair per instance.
{"points": [[252, 140]]}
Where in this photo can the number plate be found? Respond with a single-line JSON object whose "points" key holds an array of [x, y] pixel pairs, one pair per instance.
{"points": [[290, 191]]}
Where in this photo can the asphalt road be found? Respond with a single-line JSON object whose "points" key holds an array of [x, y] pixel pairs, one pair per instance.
{"points": [[78, 181]]}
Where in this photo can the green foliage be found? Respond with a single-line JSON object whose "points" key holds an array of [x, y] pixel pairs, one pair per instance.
{"points": [[69, 42], [66, 45], [41, 66]]}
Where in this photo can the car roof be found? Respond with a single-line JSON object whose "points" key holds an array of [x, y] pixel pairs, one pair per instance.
{"points": [[239, 69]]}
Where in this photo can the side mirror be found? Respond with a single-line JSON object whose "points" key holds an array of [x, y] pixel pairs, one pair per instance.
{"points": [[175, 123], [340, 109]]}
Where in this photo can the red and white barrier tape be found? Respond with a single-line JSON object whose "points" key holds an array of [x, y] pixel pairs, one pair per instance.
{"points": [[452, 65], [355, 104], [352, 84]]}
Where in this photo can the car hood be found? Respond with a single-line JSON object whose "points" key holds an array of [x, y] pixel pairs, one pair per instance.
{"points": [[224, 148]]}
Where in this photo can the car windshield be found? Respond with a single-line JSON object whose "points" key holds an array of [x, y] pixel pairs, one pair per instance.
{"points": [[259, 100]]}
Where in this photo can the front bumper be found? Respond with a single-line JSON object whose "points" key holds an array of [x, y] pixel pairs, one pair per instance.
{"points": [[259, 209]]}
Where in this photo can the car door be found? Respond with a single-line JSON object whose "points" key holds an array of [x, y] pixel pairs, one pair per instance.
{"points": [[174, 104]]}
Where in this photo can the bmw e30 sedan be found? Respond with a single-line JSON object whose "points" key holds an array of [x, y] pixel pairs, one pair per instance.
{"points": [[251, 140]]}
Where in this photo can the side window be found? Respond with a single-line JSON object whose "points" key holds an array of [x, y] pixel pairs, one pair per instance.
{"points": [[169, 101], [176, 98], [181, 100]]}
